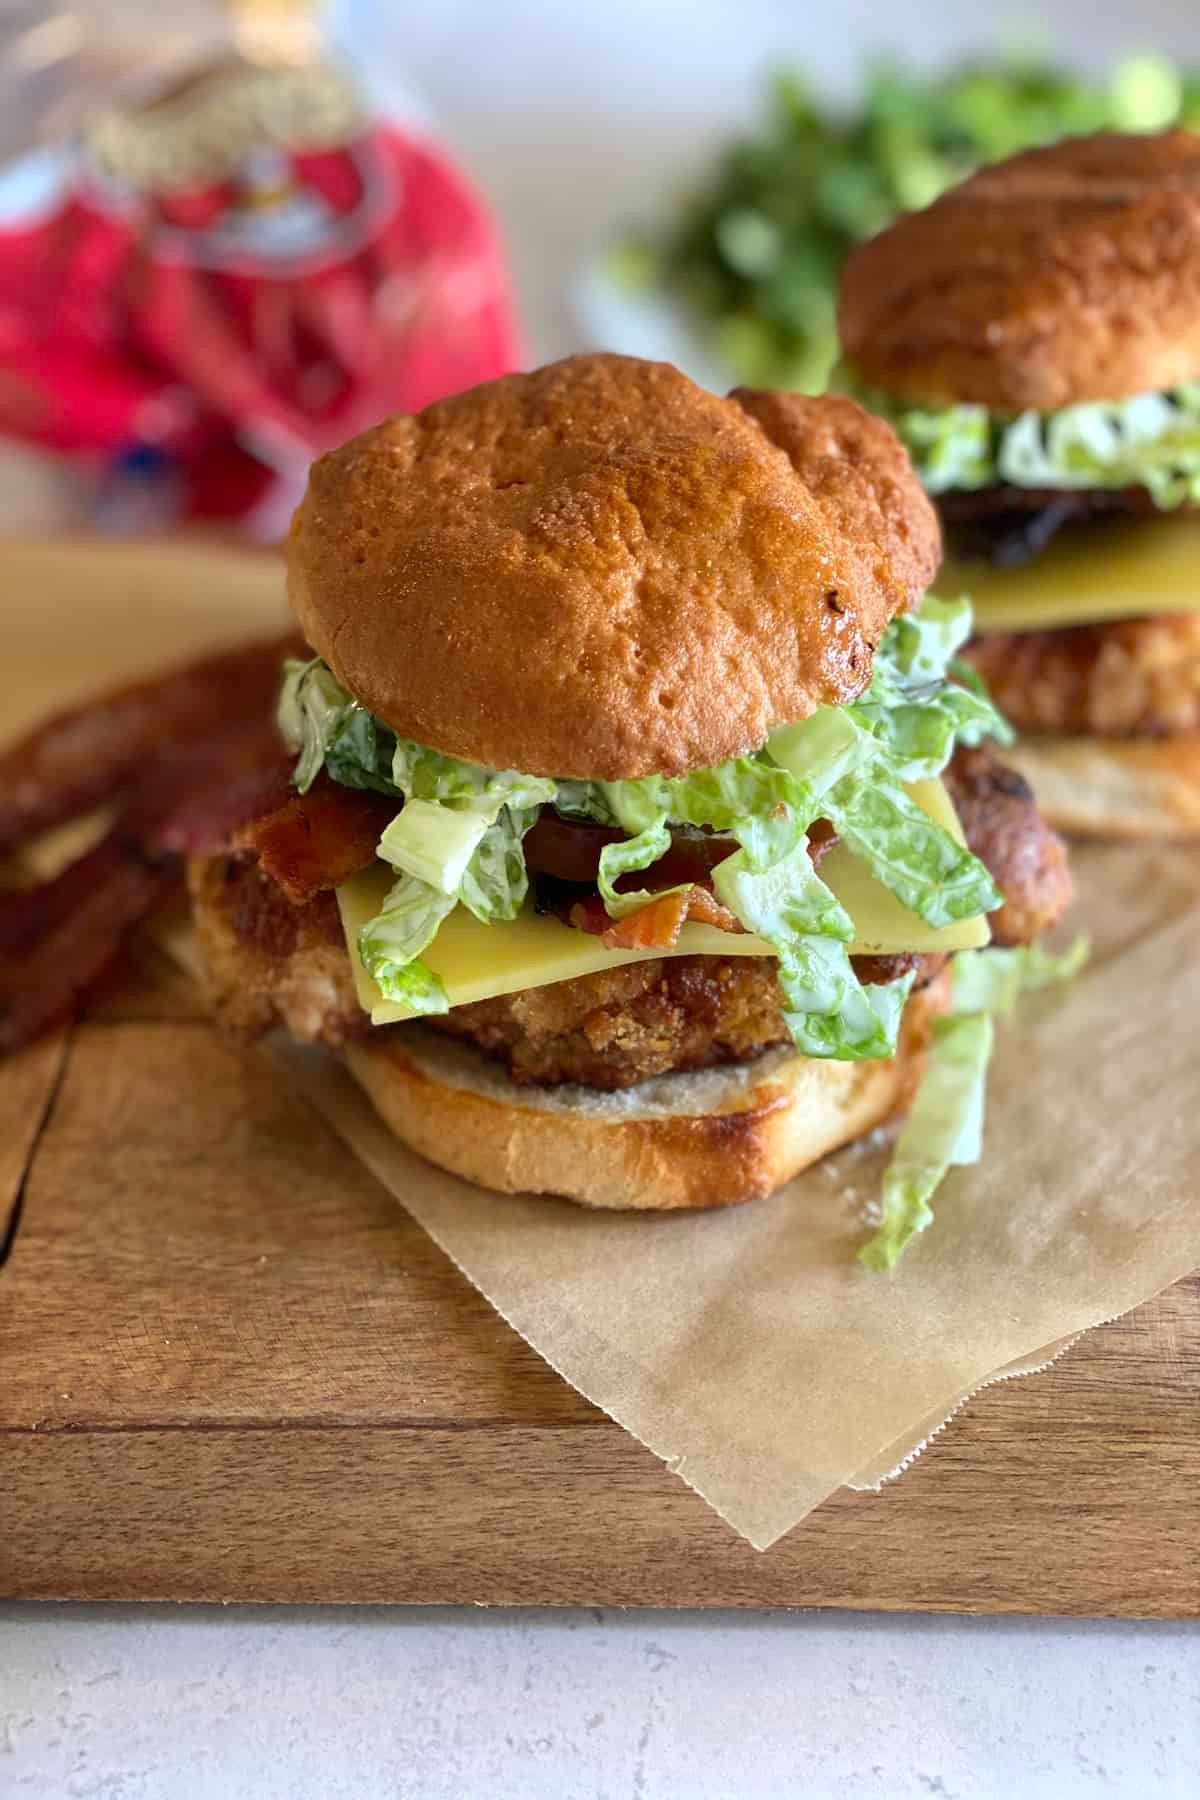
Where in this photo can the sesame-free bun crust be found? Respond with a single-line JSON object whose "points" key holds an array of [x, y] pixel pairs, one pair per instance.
{"points": [[714, 1138], [602, 570], [1137, 788], [1067, 273]]}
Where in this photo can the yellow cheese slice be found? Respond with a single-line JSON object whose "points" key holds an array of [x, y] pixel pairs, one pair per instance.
{"points": [[1125, 569], [479, 962]]}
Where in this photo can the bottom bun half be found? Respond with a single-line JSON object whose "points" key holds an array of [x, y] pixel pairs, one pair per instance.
{"points": [[1114, 787], [713, 1138]]}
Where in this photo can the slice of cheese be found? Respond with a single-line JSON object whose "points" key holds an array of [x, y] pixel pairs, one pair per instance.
{"points": [[479, 962], [1125, 569]]}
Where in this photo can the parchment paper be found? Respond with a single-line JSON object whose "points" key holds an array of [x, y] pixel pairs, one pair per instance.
{"points": [[750, 1351], [747, 1348]]}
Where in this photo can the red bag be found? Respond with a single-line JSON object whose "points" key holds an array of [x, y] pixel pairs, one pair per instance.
{"points": [[240, 276]]}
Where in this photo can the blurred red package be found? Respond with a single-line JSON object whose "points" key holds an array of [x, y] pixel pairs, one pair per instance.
{"points": [[237, 276]]}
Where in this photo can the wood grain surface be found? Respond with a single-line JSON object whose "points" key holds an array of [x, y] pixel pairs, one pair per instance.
{"points": [[231, 1368]]}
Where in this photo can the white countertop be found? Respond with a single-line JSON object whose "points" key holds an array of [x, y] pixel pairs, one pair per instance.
{"points": [[569, 115], [164, 1704]]}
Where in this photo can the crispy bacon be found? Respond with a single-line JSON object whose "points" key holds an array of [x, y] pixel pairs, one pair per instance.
{"points": [[655, 926], [57, 944], [58, 937], [88, 754], [706, 909], [319, 839], [205, 825]]}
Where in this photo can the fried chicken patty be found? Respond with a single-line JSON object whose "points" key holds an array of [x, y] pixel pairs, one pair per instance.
{"points": [[1001, 823], [270, 962], [1126, 678], [623, 1026], [273, 963]]}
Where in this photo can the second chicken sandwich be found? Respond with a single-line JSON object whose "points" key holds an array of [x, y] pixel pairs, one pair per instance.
{"points": [[1034, 337]]}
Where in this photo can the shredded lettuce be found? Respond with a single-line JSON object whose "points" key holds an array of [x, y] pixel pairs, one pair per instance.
{"points": [[929, 872], [993, 983], [784, 901], [310, 715], [904, 729], [952, 448], [944, 1128], [392, 942], [435, 843], [1148, 440], [627, 858], [495, 883], [459, 837], [914, 712]]}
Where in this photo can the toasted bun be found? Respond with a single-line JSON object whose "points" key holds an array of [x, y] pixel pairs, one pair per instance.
{"points": [[710, 1139], [1064, 274], [1115, 787], [602, 570]]}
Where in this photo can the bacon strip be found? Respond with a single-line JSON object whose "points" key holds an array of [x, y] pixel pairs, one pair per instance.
{"points": [[655, 926], [85, 756], [706, 909], [319, 839], [206, 825], [57, 946], [57, 938]]}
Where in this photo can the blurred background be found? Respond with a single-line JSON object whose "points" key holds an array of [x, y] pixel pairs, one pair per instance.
{"points": [[232, 234]]}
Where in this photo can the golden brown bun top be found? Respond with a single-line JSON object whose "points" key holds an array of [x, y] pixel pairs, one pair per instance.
{"points": [[602, 570], [1065, 274]]}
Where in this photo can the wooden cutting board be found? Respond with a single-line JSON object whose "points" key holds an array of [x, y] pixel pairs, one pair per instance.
{"points": [[232, 1369]]}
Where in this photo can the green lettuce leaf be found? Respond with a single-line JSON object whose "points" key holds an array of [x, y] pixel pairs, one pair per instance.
{"points": [[951, 448], [495, 882], [717, 797], [434, 843], [312, 705], [391, 944], [1148, 440], [821, 750], [944, 1129], [919, 648], [447, 853], [927, 869], [994, 981], [627, 858], [829, 1012], [321, 719], [359, 752], [854, 759], [459, 837], [424, 774], [923, 700], [781, 900]]}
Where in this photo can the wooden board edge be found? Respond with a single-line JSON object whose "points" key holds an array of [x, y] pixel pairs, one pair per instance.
{"points": [[528, 1517]]}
